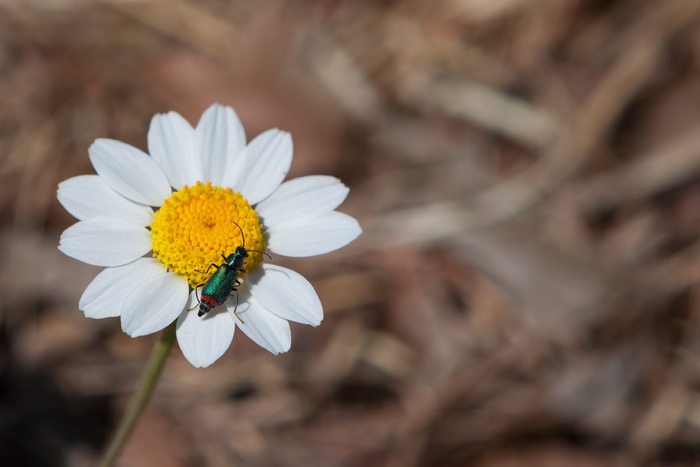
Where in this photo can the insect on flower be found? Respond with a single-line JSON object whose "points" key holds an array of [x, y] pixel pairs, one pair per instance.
{"points": [[157, 221], [219, 287]]}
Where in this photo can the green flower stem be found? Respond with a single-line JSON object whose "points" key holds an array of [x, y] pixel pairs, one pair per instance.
{"points": [[138, 403]]}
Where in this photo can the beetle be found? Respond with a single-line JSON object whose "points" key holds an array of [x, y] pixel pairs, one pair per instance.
{"points": [[219, 287]]}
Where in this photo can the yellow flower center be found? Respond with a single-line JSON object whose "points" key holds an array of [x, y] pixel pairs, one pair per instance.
{"points": [[198, 224]]}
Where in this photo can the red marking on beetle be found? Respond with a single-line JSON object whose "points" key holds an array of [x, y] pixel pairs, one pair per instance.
{"points": [[206, 303], [209, 299]]}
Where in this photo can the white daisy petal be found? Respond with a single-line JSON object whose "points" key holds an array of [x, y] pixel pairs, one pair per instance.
{"points": [[285, 293], [269, 157], [220, 140], [105, 295], [313, 233], [267, 330], [203, 340], [171, 143], [153, 304], [105, 241], [89, 196], [300, 195], [130, 172]]}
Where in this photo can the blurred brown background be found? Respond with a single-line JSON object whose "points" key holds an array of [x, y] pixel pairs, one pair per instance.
{"points": [[527, 173]]}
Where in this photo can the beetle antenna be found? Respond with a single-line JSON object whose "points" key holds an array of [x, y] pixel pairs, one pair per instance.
{"points": [[239, 228], [266, 254], [243, 237]]}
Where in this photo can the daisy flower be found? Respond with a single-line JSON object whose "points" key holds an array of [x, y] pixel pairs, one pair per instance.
{"points": [[158, 223]]}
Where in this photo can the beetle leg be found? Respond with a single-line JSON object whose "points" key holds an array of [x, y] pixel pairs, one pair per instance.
{"points": [[236, 308], [198, 300], [216, 266]]}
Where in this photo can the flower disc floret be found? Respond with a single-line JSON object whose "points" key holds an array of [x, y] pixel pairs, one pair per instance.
{"points": [[197, 225]]}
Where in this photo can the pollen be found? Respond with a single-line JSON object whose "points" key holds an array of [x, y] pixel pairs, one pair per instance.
{"points": [[198, 225]]}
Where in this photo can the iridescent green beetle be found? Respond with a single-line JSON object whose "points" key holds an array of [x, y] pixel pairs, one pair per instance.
{"points": [[219, 287]]}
